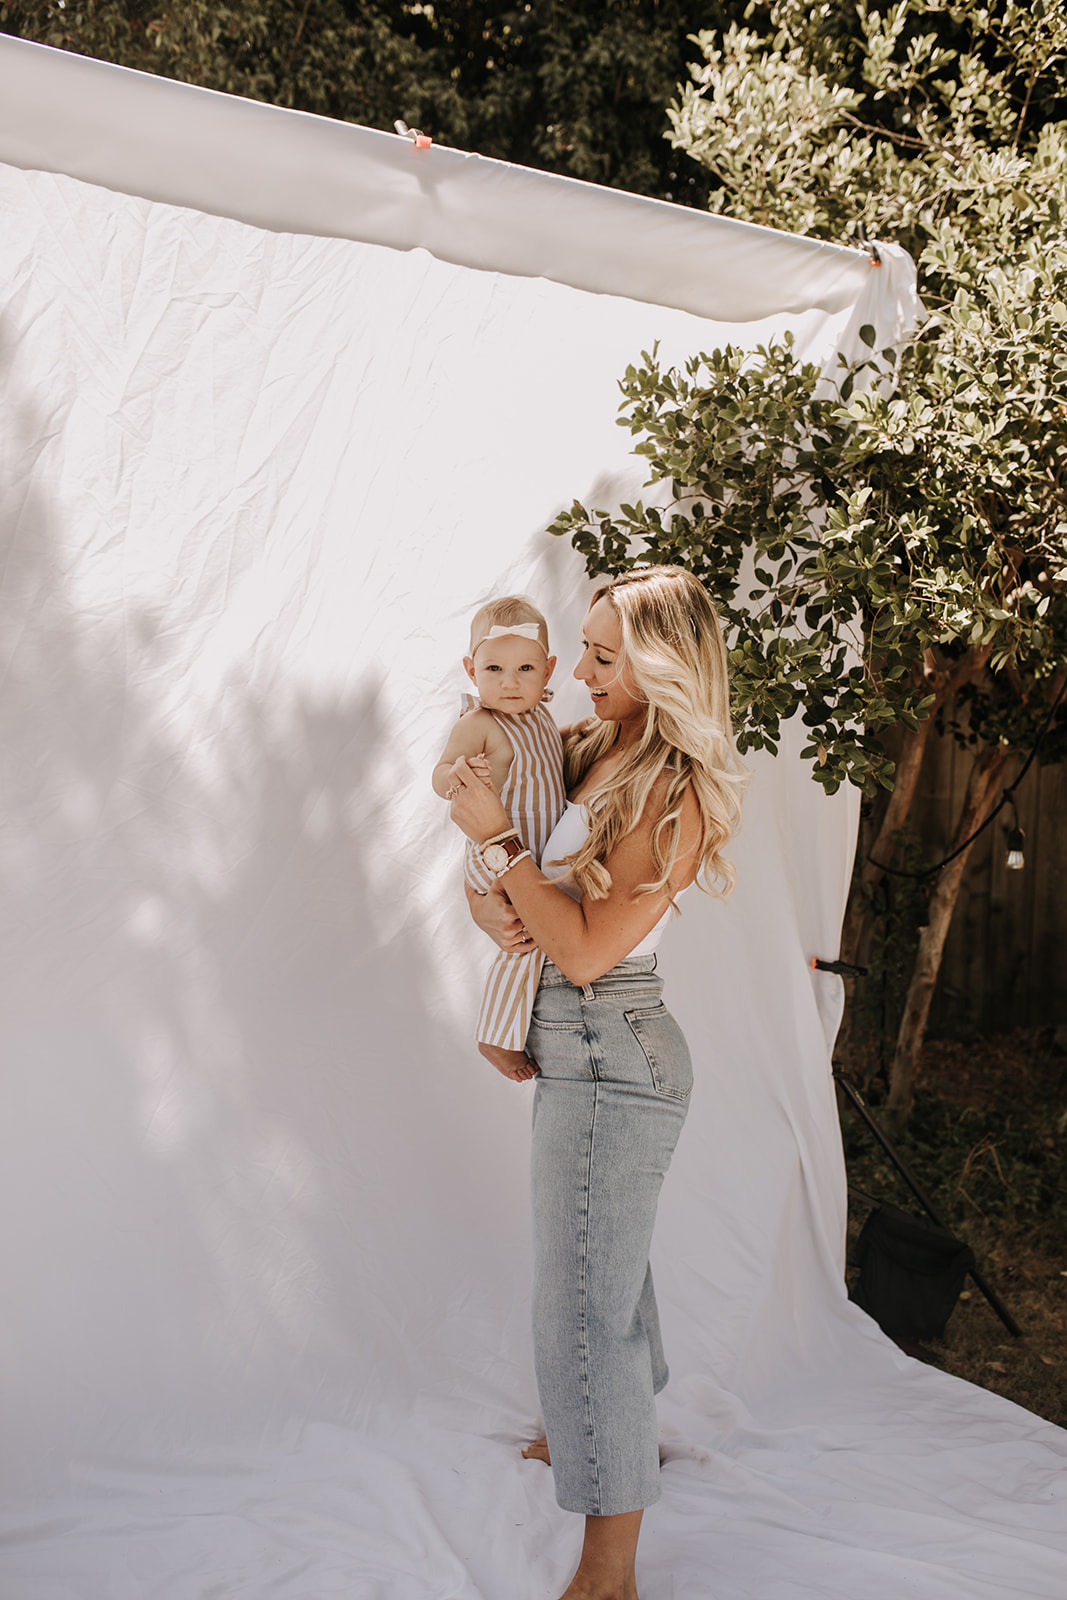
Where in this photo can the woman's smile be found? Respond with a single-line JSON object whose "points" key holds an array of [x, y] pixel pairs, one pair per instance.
{"points": [[610, 686]]}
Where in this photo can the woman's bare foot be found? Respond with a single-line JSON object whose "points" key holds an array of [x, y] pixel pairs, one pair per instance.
{"points": [[514, 1064], [538, 1451], [606, 1570]]}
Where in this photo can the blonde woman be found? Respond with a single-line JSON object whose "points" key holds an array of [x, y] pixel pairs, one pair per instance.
{"points": [[654, 788]]}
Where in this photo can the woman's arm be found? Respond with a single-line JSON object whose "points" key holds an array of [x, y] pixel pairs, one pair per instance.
{"points": [[584, 939], [496, 916]]}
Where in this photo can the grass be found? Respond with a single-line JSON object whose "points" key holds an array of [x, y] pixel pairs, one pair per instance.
{"points": [[986, 1141]]}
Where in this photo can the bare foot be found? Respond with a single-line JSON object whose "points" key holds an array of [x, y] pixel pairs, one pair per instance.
{"points": [[538, 1451], [514, 1064], [580, 1588], [606, 1570]]}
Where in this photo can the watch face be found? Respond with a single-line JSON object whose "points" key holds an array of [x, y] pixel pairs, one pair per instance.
{"points": [[495, 857]]}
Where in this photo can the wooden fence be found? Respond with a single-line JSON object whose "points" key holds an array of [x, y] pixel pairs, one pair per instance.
{"points": [[1005, 962]]}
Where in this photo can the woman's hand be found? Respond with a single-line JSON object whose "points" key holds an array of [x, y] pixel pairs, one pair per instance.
{"points": [[496, 916], [475, 809], [481, 769]]}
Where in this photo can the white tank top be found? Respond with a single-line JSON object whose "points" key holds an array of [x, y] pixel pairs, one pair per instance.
{"points": [[569, 834]]}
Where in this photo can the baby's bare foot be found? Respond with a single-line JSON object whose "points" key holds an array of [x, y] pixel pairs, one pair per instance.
{"points": [[538, 1451], [514, 1064]]}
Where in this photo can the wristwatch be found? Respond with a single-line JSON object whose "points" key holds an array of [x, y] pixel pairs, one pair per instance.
{"points": [[499, 853]]}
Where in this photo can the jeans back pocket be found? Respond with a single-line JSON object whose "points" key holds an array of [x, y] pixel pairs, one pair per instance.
{"points": [[663, 1044]]}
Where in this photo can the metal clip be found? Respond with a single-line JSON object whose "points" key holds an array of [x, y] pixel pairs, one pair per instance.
{"points": [[420, 140]]}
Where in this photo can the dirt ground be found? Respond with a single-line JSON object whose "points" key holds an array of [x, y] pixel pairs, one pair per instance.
{"points": [[986, 1141]]}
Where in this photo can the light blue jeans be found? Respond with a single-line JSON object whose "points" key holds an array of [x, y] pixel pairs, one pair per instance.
{"points": [[609, 1106]]}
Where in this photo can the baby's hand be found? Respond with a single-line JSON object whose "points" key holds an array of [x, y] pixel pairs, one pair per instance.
{"points": [[480, 767]]}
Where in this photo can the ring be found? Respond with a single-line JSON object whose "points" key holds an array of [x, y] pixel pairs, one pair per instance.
{"points": [[450, 794]]}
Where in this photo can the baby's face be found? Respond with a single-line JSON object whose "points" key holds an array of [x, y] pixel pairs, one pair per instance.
{"points": [[510, 673]]}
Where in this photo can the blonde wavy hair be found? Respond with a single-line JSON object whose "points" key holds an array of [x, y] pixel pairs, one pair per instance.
{"points": [[673, 651]]}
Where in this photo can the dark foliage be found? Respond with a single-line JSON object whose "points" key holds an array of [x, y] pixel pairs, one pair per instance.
{"points": [[574, 88]]}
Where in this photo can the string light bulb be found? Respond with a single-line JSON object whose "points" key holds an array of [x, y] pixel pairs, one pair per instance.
{"points": [[1016, 859]]}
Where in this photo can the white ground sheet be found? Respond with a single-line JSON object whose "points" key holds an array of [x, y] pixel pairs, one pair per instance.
{"points": [[265, 1251]]}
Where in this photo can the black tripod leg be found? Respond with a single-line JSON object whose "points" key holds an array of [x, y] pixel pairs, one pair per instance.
{"points": [[924, 1200]]}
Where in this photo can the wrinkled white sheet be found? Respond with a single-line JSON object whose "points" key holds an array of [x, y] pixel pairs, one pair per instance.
{"points": [[265, 1249], [148, 136]]}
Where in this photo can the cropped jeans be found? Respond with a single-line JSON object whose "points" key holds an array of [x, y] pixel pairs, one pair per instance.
{"points": [[614, 1085]]}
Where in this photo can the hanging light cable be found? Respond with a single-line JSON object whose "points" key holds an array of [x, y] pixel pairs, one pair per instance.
{"points": [[1016, 838]]}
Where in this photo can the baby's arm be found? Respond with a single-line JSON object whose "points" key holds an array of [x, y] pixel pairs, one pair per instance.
{"points": [[479, 741]]}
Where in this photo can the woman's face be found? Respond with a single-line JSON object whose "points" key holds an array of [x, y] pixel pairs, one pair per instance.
{"points": [[612, 689]]}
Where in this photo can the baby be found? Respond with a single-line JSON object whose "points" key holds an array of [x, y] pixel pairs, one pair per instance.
{"points": [[512, 744]]}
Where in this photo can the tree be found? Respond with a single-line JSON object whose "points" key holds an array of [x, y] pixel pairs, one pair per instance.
{"points": [[889, 559], [570, 86]]}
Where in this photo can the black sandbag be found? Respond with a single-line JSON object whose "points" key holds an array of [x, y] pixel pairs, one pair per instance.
{"points": [[911, 1273]]}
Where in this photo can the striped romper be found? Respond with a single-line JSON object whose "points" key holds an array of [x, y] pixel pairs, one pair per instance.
{"points": [[533, 797]]}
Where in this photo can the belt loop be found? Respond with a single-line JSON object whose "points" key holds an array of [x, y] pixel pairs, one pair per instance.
{"points": [[588, 992]]}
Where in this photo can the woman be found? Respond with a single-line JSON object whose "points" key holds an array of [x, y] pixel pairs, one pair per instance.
{"points": [[654, 789]]}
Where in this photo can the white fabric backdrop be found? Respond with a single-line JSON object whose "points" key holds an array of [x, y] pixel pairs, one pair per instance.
{"points": [[266, 1251]]}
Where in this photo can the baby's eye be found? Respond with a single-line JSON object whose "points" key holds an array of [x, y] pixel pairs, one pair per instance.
{"points": [[493, 668], [527, 666]]}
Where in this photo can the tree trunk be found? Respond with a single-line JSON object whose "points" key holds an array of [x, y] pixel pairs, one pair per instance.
{"points": [[906, 777], [859, 923], [982, 791], [850, 1048]]}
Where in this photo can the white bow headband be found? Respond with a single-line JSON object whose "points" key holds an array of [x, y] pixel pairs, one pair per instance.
{"points": [[526, 630]]}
